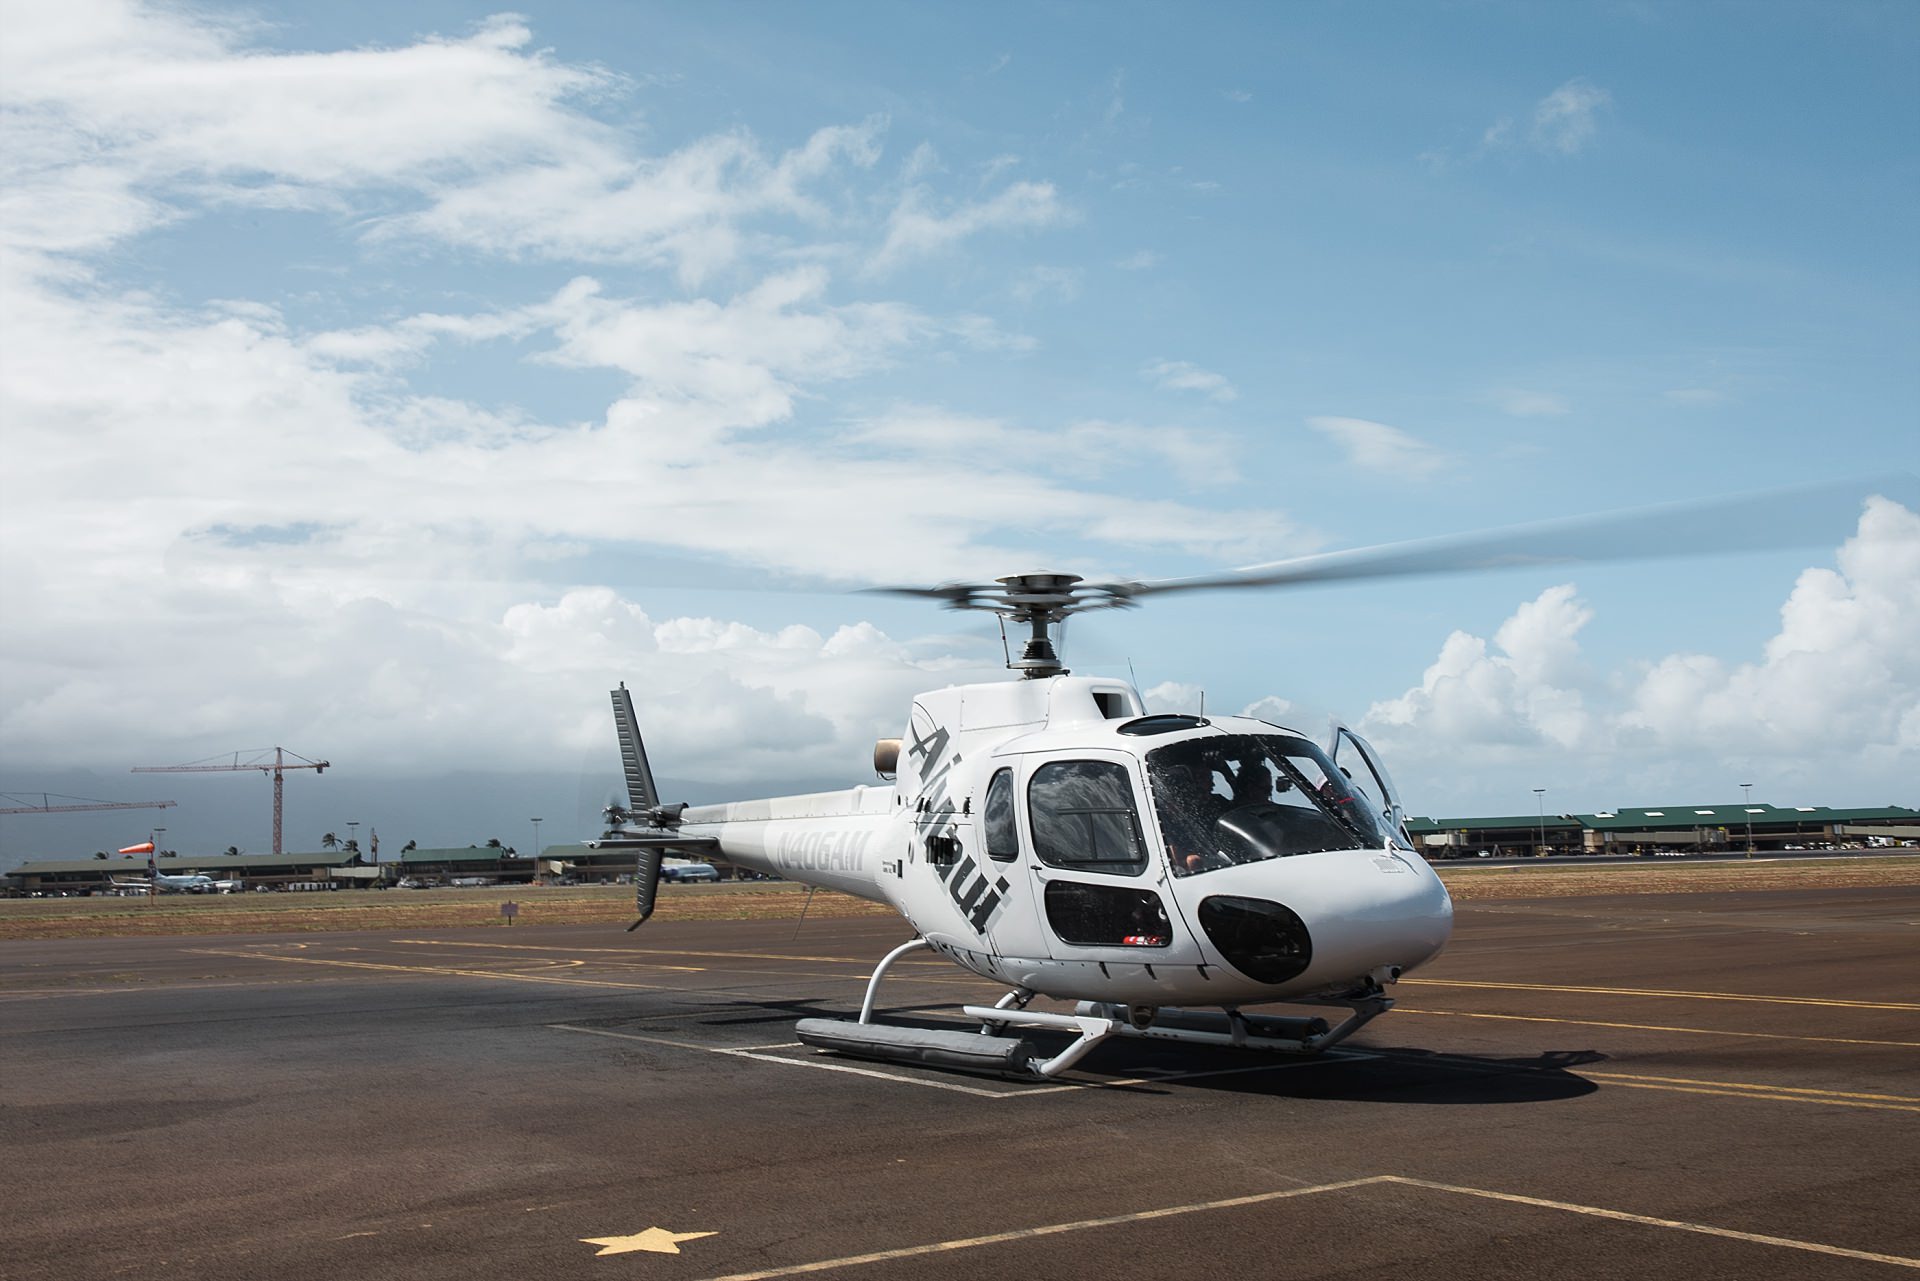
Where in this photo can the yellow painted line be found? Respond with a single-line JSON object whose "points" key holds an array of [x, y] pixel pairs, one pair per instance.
{"points": [[1773, 1089], [867, 961], [1647, 991], [1262, 1198], [1657, 1027], [1767, 1098], [1801, 1093], [570, 960], [435, 969]]}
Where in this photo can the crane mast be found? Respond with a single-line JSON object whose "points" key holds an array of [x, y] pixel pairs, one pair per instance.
{"points": [[275, 764]]}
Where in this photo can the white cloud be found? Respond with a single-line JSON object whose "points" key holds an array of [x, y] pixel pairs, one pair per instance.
{"points": [[1834, 693], [1561, 124], [1062, 283], [1173, 696], [1531, 404], [916, 229], [1181, 375], [1378, 447], [1565, 120], [1695, 397], [1139, 260]]}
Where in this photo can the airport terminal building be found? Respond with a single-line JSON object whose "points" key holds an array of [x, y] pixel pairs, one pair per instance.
{"points": [[1671, 829]]}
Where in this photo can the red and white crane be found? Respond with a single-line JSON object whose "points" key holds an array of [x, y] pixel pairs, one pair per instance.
{"points": [[70, 804], [268, 760]]}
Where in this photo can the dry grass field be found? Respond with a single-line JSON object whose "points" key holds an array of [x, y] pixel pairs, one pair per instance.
{"points": [[777, 900]]}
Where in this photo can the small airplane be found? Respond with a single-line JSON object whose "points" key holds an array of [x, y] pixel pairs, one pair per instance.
{"points": [[1158, 874], [177, 883]]}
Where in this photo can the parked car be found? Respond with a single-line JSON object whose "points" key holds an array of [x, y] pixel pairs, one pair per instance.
{"points": [[689, 872]]}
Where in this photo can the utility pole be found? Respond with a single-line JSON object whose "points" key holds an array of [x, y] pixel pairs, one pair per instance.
{"points": [[1746, 803], [1540, 795]]}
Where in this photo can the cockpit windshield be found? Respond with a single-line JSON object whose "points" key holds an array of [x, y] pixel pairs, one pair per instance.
{"points": [[1240, 798]]}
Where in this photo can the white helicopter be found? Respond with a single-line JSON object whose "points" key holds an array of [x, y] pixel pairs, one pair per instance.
{"points": [[1158, 873]]}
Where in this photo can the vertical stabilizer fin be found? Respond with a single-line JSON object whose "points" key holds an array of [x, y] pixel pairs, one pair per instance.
{"points": [[646, 882], [641, 795]]}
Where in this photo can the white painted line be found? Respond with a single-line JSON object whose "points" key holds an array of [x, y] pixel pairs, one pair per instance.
{"points": [[760, 1054], [1261, 1198], [772, 1058], [1677, 1225], [1027, 1234]]}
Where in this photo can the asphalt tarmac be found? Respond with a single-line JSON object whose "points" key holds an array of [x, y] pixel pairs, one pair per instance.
{"points": [[1689, 1086]]}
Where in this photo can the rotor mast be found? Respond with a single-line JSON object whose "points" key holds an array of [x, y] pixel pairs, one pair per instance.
{"points": [[1040, 601]]}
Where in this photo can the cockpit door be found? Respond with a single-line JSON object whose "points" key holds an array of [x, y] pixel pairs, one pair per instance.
{"points": [[1361, 764]]}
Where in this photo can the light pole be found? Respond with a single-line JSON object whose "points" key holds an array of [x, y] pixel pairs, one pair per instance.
{"points": [[536, 851], [153, 862], [1540, 795], [1746, 803], [353, 837]]}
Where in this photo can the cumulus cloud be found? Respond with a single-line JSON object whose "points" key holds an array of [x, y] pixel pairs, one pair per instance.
{"points": [[1566, 120], [1836, 688], [1174, 696], [1181, 375], [297, 520], [1376, 446]]}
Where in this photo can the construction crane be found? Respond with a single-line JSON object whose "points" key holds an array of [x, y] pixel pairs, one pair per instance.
{"points": [[276, 764], [73, 804]]}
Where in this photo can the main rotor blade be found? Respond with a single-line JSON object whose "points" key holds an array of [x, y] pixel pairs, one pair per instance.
{"points": [[1772, 520]]}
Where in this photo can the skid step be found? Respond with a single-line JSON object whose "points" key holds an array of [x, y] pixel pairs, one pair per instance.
{"points": [[966, 1051]]}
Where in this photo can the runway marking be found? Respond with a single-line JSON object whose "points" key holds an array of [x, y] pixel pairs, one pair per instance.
{"points": [[435, 969], [1678, 1225], [1264, 1198], [1745, 1085], [865, 961], [760, 1054], [1658, 1027], [571, 960], [1768, 1093], [1647, 991], [950, 1086]]}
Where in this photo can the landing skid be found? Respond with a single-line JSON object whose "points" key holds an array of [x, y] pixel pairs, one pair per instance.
{"points": [[988, 1050]]}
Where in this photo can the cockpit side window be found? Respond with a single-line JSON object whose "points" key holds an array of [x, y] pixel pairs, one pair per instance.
{"points": [[1084, 819], [1003, 838]]}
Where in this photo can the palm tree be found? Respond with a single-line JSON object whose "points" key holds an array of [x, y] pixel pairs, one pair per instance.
{"points": [[493, 842], [328, 841], [99, 853], [233, 851], [352, 846], [410, 847]]}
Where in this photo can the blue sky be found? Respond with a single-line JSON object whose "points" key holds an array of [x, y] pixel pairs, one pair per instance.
{"points": [[378, 372]]}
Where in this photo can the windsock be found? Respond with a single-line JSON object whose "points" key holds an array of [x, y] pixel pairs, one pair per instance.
{"points": [[144, 847]]}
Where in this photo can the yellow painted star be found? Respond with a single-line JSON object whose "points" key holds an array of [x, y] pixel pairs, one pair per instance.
{"points": [[653, 1240]]}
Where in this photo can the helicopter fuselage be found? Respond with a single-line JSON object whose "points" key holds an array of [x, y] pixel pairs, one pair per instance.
{"points": [[1050, 835]]}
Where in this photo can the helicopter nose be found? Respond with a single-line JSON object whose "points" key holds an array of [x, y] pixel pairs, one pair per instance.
{"points": [[1327, 919]]}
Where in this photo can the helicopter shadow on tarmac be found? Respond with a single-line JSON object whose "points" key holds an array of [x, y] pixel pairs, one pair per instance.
{"points": [[1353, 1072]]}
